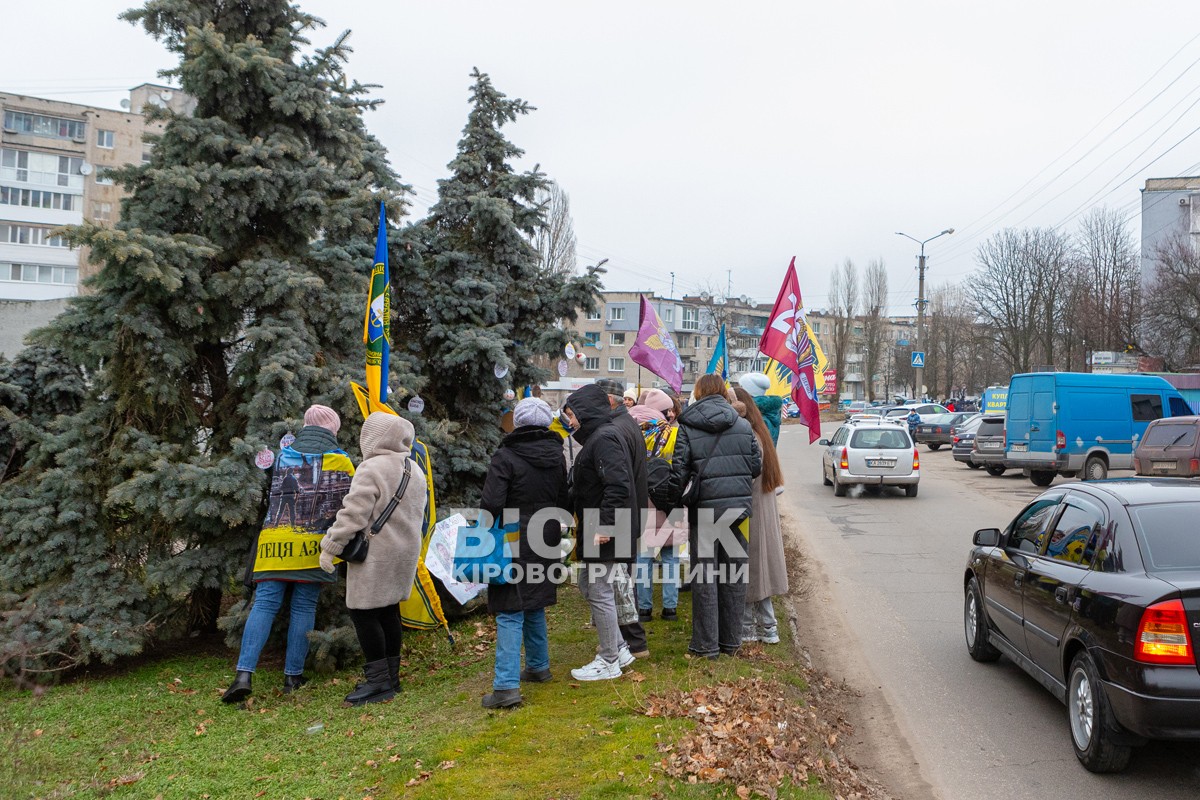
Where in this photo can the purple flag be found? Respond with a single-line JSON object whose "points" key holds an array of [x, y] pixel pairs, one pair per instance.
{"points": [[654, 348]]}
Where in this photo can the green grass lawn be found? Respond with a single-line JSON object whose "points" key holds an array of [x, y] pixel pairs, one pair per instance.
{"points": [[160, 730]]}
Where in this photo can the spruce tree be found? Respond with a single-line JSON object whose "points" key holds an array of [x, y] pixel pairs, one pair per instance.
{"points": [[476, 296], [228, 298]]}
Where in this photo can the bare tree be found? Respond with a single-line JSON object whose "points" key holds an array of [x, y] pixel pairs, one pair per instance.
{"points": [[1172, 327], [843, 302], [555, 240], [875, 323], [1020, 292], [1108, 286], [951, 334]]}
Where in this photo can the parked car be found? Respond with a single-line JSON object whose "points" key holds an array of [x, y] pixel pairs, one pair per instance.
{"points": [[1094, 590], [1171, 446], [1079, 423], [857, 407], [963, 441], [872, 454], [934, 430], [926, 408], [988, 450]]}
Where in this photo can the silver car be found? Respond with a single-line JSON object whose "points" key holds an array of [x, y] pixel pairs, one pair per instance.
{"points": [[871, 454]]}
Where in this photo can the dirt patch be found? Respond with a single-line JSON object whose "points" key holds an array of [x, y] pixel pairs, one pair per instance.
{"points": [[875, 744]]}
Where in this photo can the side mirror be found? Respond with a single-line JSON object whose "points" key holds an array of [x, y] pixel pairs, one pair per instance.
{"points": [[986, 537], [823, 442]]}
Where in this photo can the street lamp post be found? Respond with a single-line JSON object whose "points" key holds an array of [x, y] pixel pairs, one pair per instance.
{"points": [[919, 372]]}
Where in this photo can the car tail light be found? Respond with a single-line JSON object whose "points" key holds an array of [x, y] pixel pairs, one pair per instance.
{"points": [[956, 440], [916, 460], [1162, 636], [1060, 440], [1194, 466], [845, 459]]}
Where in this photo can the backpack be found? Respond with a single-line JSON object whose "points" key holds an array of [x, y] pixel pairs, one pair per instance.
{"points": [[658, 483]]}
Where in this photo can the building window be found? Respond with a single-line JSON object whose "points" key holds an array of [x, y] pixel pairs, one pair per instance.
{"points": [[616, 365], [594, 314], [102, 177], [13, 233], [44, 168], [38, 273], [104, 138], [592, 364], [39, 125], [708, 341], [35, 198], [616, 314], [669, 314], [696, 343], [147, 153], [691, 319], [592, 338], [616, 339], [102, 212]]}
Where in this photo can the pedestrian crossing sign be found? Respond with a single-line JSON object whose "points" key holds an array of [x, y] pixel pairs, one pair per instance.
{"points": [[918, 358]]}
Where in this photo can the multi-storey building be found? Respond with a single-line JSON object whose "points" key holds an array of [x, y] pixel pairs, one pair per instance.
{"points": [[54, 160], [1170, 207]]}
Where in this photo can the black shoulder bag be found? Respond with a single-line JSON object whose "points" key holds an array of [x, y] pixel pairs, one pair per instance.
{"points": [[356, 549]]}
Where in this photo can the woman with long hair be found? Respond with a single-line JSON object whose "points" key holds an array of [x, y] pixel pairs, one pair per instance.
{"points": [[768, 567], [716, 459]]}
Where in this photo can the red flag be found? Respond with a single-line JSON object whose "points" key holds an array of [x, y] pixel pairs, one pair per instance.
{"points": [[785, 339]]}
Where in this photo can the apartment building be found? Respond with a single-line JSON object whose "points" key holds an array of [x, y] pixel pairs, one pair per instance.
{"points": [[1170, 208], [54, 163]]}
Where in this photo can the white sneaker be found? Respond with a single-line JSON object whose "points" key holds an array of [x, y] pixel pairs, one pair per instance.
{"points": [[624, 657], [771, 637], [750, 636], [598, 670]]}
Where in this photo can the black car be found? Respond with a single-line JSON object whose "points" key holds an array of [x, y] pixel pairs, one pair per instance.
{"points": [[988, 451], [934, 430], [962, 440], [1094, 590]]}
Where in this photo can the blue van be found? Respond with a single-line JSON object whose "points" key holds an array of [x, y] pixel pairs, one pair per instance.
{"points": [[1076, 423]]}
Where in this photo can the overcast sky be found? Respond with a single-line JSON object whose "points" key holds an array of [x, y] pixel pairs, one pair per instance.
{"points": [[702, 137]]}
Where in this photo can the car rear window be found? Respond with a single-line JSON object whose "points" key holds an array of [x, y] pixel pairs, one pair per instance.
{"points": [[937, 419], [990, 428], [1180, 435], [879, 439], [1168, 535]]}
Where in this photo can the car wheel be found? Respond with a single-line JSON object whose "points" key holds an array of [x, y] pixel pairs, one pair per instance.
{"points": [[1041, 477], [973, 465], [975, 626], [1092, 723], [839, 490], [1094, 469], [910, 491], [934, 445], [995, 470]]}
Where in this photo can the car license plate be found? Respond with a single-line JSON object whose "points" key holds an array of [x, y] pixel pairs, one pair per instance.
{"points": [[1019, 447], [1163, 464], [989, 445], [881, 462]]}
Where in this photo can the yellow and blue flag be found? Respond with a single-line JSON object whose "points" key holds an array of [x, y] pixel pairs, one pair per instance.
{"points": [[377, 328], [719, 363]]}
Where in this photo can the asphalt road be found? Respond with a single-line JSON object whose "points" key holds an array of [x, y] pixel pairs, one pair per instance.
{"points": [[884, 611]]}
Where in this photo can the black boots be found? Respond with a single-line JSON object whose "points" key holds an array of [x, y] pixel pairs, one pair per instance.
{"points": [[535, 676], [293, 682], [503, 698], [378, 685], [394, 671], [240, 689]]}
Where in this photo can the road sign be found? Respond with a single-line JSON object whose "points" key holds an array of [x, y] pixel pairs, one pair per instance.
{"points": [[918, 358]]}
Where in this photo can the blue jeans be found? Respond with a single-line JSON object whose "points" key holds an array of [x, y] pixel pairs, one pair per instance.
{"points": [[268, 597], [513, 627], [670, 572]]}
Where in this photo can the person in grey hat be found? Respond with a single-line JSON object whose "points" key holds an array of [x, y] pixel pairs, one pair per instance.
{"points": [[528, 473]]}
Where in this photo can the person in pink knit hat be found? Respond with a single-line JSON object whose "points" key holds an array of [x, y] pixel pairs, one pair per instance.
{"points": [[308, 481]]}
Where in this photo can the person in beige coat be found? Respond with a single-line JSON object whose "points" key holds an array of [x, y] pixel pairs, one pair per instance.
{"points": [[375, 587]]}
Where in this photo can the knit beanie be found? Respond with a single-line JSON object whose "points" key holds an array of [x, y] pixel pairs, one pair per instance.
{"points": [[643, 414], [756, 384], [532, 411], [323, 416], [658, 400], [631, 394]]}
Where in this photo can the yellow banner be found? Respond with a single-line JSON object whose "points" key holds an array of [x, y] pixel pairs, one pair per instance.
{"points": [[287, 548]]}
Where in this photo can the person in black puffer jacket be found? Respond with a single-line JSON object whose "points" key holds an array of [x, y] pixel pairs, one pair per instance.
{"points": [[602, 483], [528, 473], [718, 449]]}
